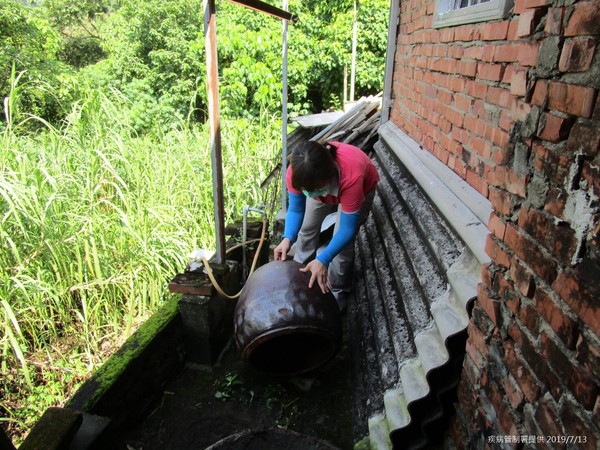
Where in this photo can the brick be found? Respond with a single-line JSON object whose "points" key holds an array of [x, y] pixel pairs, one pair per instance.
{"points": [[463, 102], [477, 182], [571, 99], [508, 73], [476, 89], [497, 136], [503, 202], [488, 53], [478, 340], [555, 128], [591, 174], [446, 35], [475, 52], [554, 20], [540, 93], [576, 423], [490, 305], [501, 156], [548, 420], [596, 113], [490, 72], [536, 362], [556, 201], [498, 255], [466, 68], [506, 421], [557, 238], [522, 5], [529, 317], [506, 291], [584, 139], [507, 53], [481, 110], [527, 22], [518, 370], [481, 147], [465, 33], [494, 31], [584, 19], [552, 164], [565, 327], [528, 54], [518, 83], [588, 356], [516, 183], [577, 381], [577, 55], [500, 96], [575, 295], [506, 120], [488, 272], [522, 279], [521, 111], [514, 395], [512, 29], [530, 253]]}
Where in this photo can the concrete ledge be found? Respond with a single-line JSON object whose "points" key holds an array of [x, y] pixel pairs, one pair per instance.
{"points": [[54, 430], [465, 209], [123, 387]]}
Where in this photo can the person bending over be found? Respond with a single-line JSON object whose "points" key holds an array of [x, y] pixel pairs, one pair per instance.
{"points": [[321, 179]]}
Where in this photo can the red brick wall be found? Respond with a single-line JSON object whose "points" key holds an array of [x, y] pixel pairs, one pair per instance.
{"points": [[512, 106]]}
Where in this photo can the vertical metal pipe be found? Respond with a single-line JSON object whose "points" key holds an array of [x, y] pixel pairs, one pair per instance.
{"points": [[393, 24], [212, 83], [354, 39], [284, 114]]}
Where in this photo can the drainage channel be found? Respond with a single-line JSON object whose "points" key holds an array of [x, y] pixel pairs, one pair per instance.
{"points": [[229, 405]]}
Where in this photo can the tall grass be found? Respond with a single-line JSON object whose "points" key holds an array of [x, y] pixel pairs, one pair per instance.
{"points": [[94, 222]]}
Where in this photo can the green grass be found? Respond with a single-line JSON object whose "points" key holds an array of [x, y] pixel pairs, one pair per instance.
{"points": [[94, 222]]}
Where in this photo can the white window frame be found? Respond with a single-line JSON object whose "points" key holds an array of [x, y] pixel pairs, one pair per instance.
{"points": [[446, 16]]}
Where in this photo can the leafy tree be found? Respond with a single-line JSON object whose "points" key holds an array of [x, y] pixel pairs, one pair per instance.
{"points": [[152, 53], [77, 22], [29, 43]]}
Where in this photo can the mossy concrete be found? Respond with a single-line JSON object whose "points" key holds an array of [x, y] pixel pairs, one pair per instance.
{"points": [[127, 381]]}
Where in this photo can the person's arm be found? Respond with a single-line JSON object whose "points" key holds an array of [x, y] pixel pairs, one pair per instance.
{"points": [[294, 216], [344, 235]]}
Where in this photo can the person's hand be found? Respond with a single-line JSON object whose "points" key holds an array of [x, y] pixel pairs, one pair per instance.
{"points": [[318, 273], [282, 250]]}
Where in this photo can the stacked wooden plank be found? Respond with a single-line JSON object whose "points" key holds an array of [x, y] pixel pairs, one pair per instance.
{"points": [[358, 126]]}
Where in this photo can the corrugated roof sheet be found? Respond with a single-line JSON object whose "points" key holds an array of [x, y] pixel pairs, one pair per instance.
{"points": [[415, 278]]}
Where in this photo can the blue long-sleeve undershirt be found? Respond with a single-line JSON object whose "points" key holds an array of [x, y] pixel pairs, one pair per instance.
{"points": [[294, 216], [345, 233]]}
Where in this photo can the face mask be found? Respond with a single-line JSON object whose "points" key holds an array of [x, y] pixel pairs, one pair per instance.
{"points": [[318, 193]]}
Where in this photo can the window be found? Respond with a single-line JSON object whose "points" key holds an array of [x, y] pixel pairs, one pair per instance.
{"points": [[457, 12]]}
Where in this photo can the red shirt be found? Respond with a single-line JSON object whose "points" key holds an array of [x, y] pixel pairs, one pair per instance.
{"points": [[357, 177]]}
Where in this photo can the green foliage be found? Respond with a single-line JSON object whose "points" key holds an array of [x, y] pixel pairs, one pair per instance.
{"points": [[29, 44], [153, 52], [95, 221], [105, 180], [77, 23]]}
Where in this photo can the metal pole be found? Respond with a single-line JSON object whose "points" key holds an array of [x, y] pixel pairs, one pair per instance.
{"points": [[354, 39], [212, 83], [284, 114]]}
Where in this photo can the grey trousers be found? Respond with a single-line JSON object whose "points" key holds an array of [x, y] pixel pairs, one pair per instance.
{"points": [[341, 268]]}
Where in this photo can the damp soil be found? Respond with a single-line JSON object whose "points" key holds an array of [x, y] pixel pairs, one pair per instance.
{"points": [[232, 406]]}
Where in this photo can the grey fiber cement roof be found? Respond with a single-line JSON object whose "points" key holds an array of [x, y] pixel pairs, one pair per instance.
{"points": [[417, 267]]}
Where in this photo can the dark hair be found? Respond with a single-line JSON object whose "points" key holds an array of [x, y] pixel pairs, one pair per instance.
{"points": [[313, 165]]}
